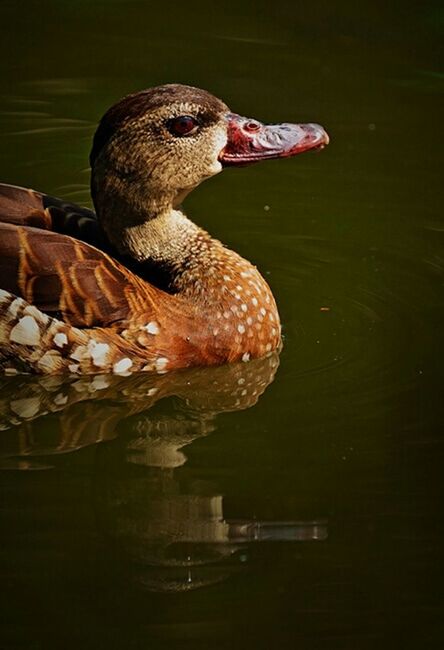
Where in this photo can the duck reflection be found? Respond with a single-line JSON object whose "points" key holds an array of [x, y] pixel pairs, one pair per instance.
{"points": [[171, 534], [94, 409], [175, 536]]}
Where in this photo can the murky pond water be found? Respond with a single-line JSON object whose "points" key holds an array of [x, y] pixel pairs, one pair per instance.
{"points": [[294, 501]]}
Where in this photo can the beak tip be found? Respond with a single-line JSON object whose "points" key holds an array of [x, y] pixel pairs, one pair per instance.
{"points": [[320, 135], [246, 145]]}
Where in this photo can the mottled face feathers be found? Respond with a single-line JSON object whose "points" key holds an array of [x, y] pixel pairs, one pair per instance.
{"points": [[153, 102], [167, 138]]}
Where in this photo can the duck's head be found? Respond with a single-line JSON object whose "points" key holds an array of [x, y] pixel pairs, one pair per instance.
{"points": [[160, 143]]}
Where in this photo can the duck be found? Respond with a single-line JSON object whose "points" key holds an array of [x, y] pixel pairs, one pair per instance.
{"points": [[135, 285]]}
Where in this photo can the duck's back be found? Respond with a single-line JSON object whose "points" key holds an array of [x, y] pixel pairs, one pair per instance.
{"points": [[26, 207]]}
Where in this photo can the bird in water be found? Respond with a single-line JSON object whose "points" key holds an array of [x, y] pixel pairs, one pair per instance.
{"points": [[136, 285]]}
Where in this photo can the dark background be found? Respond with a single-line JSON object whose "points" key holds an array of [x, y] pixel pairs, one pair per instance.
{"points": [[350, 432]]}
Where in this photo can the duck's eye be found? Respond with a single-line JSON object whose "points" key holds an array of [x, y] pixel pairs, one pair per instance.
{"points": [[183, 125]]}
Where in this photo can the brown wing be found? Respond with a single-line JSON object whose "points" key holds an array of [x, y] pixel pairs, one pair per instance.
{"points": [[63, 276], [25, 207]]}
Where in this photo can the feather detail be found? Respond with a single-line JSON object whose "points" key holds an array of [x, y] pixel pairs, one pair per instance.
{"points": [[31, 341], [25, 207], [61, 275], [93, 314]]}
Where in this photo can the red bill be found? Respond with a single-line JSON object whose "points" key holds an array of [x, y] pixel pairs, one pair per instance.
{"points": [[250, 141]]}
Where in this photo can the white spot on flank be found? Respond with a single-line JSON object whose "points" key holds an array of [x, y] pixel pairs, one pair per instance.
{"points": [[249, 320], [30, 310], [268, 347], [50, 361], [226, 278], [215, 331], [152, 391], [244, 307], [161, 363], [4, 295], [26, 332], [238, 287], [263, 311], [98, 352], [226, 314], [240, 329], [254, 301], [122, 366], [60, 339], [80, 353], [152, 327], [14, 306], [246, 357]]}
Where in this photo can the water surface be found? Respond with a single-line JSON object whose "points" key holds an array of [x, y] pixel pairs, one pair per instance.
{"points": [[184, 512]]}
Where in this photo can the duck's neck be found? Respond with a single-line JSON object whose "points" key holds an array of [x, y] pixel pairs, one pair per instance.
{"points": [[160, 239], [165, 238], [143, 225], [237, 307]]}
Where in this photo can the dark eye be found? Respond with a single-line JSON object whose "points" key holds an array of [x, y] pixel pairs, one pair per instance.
{"points": [[183, 125]]}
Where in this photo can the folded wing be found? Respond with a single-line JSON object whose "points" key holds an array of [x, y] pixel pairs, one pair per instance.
{"points": [[69, 279]]}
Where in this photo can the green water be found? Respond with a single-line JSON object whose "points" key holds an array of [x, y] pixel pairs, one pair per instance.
{"points": [[183, 512]]}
